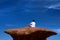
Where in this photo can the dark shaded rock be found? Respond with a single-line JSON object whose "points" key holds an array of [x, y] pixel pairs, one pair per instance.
{"points": [[30, 33]]}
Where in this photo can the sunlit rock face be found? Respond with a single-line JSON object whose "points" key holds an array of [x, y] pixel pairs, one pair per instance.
{"points": [[30, 33]]}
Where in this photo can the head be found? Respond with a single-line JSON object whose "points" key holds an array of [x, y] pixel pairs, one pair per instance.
{"points": [[33, 20]]}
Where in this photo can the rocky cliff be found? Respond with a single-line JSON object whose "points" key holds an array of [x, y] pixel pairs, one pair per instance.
{"points": [[30, 33]]}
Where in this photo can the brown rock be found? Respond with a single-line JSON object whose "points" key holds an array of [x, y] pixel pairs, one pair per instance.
{"points": [[30, 33]]}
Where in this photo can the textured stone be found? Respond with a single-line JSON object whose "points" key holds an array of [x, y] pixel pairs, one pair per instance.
{"points": [[30, 33]]}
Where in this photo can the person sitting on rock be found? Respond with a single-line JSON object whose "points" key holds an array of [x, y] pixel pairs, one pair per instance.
{"points": [[32, 24]]}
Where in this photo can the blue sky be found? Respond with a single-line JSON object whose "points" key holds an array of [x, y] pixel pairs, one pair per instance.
{"points": [[19, 13]]}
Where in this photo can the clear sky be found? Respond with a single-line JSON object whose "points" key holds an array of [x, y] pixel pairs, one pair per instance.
{"points": [[19, 13]]}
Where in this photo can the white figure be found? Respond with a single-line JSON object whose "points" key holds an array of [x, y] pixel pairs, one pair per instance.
{"points": [[32, 24]]}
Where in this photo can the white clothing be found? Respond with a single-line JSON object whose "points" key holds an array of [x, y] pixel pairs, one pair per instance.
{"points": [[32, 24]]}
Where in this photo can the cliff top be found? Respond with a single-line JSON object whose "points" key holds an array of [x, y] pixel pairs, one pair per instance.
{"points": [[26, 31]]}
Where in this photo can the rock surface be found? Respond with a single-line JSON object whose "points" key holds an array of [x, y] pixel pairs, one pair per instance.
{"points": [[30, 33]]}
